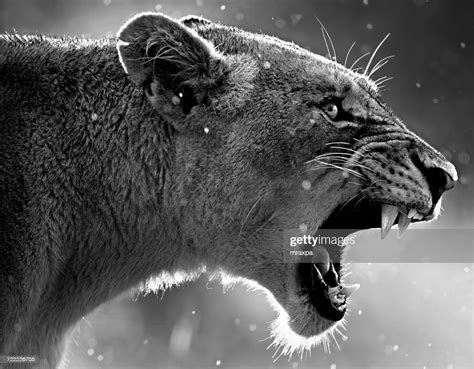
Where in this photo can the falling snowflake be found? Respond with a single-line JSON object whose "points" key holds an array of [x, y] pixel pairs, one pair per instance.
{"points": [[295, 18], [306, 184], [280, 23], [175, 100], [464, 158]]}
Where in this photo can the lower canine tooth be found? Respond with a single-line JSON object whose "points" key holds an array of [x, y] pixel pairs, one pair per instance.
{"points": [[333, 291], [349, 290], [403, 223], [389, 214]]}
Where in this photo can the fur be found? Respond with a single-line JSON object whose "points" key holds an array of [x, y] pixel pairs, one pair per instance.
{"points": [[179, 147]]}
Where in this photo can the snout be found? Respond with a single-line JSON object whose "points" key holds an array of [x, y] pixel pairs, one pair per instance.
{"points": [[439, 173]]}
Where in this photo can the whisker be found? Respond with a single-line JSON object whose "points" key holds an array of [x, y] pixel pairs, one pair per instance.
{"points": [[326, 43], [360, 200], [375, 52], [353, 172], [375, 69], [380, 65], [382, 80], [352, 198], [329, 37], [337, 143], [359, 59], [250, 211], [344, 148], [371, 186], [353, 162], [344, 157], [348, 52]]}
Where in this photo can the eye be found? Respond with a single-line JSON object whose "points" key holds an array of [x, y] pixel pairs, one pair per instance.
{"points": [[331, 110]]}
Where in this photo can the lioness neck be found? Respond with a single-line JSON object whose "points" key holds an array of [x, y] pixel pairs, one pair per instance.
{"points": [[99, 158]]}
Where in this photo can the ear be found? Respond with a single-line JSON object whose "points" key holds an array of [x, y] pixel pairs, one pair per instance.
{"points": [[194, 21], [155, 48]]}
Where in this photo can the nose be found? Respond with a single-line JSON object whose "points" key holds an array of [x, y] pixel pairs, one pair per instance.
{"points": [[440, 174], [439, 181]]}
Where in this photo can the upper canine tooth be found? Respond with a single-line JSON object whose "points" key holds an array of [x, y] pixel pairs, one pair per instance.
{"points": [[389, 214], [403, 223], [412, 213], [349, 290]]}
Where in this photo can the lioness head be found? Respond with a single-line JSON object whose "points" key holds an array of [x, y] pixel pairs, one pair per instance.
{"points": [[268, 137]]}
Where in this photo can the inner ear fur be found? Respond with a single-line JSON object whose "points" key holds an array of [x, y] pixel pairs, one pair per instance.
{"points": [[154, 47]]}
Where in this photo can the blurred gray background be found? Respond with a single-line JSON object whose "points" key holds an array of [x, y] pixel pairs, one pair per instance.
{"points": [[406, 315]]}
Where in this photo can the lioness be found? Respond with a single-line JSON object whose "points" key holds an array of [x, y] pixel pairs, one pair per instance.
{"points": [[185, 145]]}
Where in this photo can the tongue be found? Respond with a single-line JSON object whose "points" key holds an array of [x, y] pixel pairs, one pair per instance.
{"points": [[322, 259]]}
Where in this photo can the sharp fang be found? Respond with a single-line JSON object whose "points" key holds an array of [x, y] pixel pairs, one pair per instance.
{"points": [[389, 214], [412, 213], [349, 290], [403, 223], [335, 295]]}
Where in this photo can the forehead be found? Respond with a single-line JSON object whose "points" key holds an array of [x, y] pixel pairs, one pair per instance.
{"points": [[286, 57]]}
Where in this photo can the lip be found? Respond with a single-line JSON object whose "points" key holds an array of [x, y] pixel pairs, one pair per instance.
{"points": [[328, 293]]}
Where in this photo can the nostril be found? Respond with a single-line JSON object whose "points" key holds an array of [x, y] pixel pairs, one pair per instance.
{"points": [[439, 181]]}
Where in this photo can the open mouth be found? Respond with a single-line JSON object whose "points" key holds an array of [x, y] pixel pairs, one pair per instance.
{"points": [[323, 281]]}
